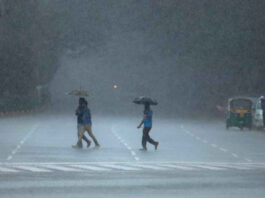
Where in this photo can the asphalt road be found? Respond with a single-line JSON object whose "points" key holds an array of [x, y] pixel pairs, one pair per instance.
{"points": [[194, 159]]}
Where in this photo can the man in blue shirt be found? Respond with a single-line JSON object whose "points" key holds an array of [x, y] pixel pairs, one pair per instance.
{"points": [[147, 121]]}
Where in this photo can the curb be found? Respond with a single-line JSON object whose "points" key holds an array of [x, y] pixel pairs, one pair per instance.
{"points": [[22, 112]]}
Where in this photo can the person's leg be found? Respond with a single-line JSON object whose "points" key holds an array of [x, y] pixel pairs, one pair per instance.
{"points": [[263, 114], [85, 138], [150, 140], [89, 130], [81, 135], [79, 144], [79, 132], [144, 138], [82, 131]]}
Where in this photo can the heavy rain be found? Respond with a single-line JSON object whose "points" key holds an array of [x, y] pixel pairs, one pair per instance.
{"points": [[201, 60]]}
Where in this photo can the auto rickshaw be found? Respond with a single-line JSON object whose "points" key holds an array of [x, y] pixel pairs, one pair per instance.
{"points": [[239, 113]]}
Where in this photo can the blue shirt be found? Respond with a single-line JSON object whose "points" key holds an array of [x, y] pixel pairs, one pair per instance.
{"points": [[79, 116], [86, 116], [148, 121]]}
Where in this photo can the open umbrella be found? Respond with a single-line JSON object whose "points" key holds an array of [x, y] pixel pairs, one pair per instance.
{"points": [[80, 93], [145, 100]]}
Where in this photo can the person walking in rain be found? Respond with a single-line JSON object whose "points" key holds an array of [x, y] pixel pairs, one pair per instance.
{"points": [[86, 125], [79, 124], [262, 99], [147, 121]]}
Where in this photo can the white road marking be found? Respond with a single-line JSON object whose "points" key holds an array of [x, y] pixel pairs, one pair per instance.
{"points": [[60, 168], [248, 160], [223, 149], [4, 169], [13, 152], [136, 158], [234, 166], [234, 155], [154, 167], [256, 165], [214, 145], [90, 167], [207, 167], [119, 167], [9, 157], [33, 169], [198, 138], [125, 166], [178, 167]]}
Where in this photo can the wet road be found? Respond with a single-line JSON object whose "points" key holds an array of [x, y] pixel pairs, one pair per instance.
{"points": [[194, 159]]}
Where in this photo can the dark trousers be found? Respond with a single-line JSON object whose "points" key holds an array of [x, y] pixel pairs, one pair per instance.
{"points": [[146, 137], [263, 118]]}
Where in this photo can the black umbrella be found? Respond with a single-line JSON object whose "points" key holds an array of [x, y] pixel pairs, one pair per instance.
{"points": [[145, 100]]}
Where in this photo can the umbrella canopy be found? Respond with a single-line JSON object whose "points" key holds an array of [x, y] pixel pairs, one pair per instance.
{"points": [[80, 93], [145, 100]]}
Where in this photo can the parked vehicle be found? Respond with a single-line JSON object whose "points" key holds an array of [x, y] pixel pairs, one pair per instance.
{"points": [[239, 112]]}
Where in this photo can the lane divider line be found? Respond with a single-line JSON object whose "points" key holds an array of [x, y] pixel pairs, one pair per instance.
{"points": [[234, 155], [213, 145], [223, 149], [13, 152], [133, 154], [248, 160]]}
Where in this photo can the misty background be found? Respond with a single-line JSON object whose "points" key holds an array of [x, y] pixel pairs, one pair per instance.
{"points": [[189, 55]]}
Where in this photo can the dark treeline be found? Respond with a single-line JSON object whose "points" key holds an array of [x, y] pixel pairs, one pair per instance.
{"points": [[27, 38], [33, 35], [189, 54]]}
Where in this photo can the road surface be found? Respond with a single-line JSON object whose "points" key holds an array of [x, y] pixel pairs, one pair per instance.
{"points": [[194, 159]]}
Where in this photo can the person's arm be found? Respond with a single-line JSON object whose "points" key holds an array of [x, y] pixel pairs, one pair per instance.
{"points": [[141, 123]]}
